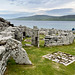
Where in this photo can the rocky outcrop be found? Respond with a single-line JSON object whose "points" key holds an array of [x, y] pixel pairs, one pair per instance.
{"points": [[4, 24], [10, 45], [15, 32], [18, 53]]}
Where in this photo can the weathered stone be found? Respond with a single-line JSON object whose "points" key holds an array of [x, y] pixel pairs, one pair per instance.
{"points": [[35, 36], [4, 24], [10, 46], [28, 45], [26, 31], [64, 38], [61, 58]]}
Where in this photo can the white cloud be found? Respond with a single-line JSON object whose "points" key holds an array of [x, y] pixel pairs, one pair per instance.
{"points": [[34, 6]]}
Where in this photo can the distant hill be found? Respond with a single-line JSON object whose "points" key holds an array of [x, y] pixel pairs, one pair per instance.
{"points": [[48, 18], [68, 18]]}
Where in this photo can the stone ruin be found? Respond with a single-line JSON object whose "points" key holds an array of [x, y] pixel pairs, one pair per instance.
{"points": [[44, 31], [26, 31], [60, 57], [55, 38], [35, 36], [18, 32], [10, 46]]}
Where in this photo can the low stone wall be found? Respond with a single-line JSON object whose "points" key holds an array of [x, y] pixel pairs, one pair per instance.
{"points": [[63, 39], [45, 31]]}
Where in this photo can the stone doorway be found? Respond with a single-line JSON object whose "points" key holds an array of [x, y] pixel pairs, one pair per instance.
{"points": [[24, 34], [36, 40]]}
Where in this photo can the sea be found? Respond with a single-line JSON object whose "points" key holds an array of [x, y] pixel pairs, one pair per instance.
{"points": [[63, 25]]}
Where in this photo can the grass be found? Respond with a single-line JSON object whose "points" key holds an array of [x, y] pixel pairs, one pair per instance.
{"points": [[42, 66]]}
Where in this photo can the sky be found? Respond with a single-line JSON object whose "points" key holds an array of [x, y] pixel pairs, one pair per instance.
{"points": [[22, 8]]}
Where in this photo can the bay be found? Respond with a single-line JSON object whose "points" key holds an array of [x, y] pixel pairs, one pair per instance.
{"points": [[63, 25]]}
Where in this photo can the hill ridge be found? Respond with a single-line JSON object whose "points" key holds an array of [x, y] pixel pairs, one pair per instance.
{"points": [[48, 18]]}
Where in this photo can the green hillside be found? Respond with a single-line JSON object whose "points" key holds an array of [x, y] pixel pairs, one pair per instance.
{"points": [[48, 18]]}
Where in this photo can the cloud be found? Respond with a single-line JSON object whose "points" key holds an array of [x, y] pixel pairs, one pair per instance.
{"points": [[30, 7], [9, 15], [41, 3], [65, 11]]}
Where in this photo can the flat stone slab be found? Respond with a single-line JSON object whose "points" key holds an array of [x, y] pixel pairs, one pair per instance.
{"points": [[60, 57], [27, 40], [2, 49], [28, 45]]}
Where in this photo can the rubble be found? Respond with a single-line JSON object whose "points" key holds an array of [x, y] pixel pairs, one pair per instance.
{"points": [[60, 57]]}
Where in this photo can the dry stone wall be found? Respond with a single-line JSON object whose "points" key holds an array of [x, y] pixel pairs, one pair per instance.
{"points": [[62, 39]]}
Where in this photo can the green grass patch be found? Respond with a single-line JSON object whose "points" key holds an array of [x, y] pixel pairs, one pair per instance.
{"points": [[42, 66]]}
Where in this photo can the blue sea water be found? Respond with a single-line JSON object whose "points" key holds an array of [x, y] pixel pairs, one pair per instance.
{"points": [[64, 25]]}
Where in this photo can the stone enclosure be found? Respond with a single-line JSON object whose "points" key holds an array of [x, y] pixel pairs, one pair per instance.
{"points": [[55, 38], [60, 57]]}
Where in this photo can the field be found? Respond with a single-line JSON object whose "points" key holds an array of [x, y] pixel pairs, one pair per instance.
{"points": [[40, 65]]}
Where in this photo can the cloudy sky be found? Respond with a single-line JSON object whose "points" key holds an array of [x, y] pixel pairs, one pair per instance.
{"points": [[19, 8]]}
